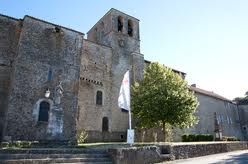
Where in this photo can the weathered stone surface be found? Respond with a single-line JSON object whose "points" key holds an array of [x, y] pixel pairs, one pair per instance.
{"points": [[168, 152], [41, 50], [9, 35], [196, 150], [136, 155]]}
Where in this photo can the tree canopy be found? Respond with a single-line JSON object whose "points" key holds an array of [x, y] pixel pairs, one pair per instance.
{"points": [[238, 99], [163, 97]]}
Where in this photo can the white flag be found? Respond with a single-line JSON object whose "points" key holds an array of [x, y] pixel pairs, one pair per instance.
{"points": [[124, 95]]}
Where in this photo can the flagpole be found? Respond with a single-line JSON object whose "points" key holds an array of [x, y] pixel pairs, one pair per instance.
{"points": [[129, 111], [129, 117], [124, 102]]}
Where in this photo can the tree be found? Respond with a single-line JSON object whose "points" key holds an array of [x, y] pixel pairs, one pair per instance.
{"points": [[161, 98], [239, 99]]}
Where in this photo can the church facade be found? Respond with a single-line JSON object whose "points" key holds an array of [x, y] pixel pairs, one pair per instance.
{"points": [[56, 83]]}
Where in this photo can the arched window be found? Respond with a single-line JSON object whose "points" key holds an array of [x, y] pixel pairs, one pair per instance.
{"points": [[120, 24], [99, 98], [44, 111], [130, 28], [105, 124]]}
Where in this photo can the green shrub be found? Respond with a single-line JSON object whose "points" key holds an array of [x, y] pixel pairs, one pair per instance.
{"points": [[197, 137], [81, 137], [16, 144], [5, 144], [230, 138]]}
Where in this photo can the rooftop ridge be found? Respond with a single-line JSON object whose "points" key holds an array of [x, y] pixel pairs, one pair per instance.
{"points": [[209, 93], [38, 19], [9, 17]]}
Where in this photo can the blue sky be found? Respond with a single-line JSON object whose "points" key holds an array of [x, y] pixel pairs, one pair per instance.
{"points": [[208, 39]]}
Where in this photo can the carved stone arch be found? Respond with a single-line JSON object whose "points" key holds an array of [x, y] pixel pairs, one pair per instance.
{"points": [[36, 109]]}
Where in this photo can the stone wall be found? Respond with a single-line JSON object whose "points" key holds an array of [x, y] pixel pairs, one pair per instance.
{"points": [[125, 55], [195, 150], [136, 155], [95, 75], [149, 135], [227, 114], [48, 57], [243, 113], [166, 152], [10, 29]]}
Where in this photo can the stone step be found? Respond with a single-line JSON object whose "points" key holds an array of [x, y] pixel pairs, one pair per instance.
{"points": [[41, 156], [58, 160], [52, 151]]}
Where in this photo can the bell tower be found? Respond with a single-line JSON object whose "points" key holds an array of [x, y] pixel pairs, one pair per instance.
{"points": [[120, 32]]}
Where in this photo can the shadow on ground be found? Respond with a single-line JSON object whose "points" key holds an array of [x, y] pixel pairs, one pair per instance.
{"points": [[235, 159]]}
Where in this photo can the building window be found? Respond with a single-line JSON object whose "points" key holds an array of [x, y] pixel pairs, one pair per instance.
{"points": [[49, 77], [130, 28], [105, 124], [120, 24], [99, 98], [44, 111]]}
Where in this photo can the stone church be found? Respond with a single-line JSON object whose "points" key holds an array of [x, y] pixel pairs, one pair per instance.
{"points": [[55, 83]]}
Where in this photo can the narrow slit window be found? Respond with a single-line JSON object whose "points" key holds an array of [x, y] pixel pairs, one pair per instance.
{"points": [[49, 78], [99, 98]]}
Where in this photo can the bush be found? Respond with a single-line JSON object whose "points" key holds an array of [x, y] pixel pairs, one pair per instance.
{"points": [[230, 138], [197, 137], [81, 137], [16, 144]]}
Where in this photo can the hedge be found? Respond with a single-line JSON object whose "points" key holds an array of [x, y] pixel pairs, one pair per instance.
{"points": [[197, 137]]}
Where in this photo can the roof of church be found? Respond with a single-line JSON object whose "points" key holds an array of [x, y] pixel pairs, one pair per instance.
{"points": [[9, 17], [53, 24], [41, 21], [209, 93]]}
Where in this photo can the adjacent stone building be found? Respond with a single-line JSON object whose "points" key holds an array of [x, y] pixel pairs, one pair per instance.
{"points": [[211, 104], [55, 83]]}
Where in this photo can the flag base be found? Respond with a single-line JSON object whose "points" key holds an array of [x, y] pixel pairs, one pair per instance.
{"points": [[130, 136]]}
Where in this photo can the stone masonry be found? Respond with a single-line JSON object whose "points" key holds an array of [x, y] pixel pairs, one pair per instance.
{"points": [[56, 83]]}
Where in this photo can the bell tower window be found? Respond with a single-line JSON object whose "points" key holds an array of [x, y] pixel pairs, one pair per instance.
{"points": [[130, 28], [120, 24]]}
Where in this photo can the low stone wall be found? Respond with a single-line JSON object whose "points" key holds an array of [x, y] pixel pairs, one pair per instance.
{"points": [[136, 155], [196, 150], [166, 152], [96, 136]]}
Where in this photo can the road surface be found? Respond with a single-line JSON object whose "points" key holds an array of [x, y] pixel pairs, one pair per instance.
{"points": [[235, 157]]}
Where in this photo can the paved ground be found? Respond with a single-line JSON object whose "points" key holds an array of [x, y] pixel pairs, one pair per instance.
{"points": [[235, 157]]}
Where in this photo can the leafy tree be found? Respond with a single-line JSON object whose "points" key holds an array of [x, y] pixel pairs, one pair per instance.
{"points": [[238, 99], [246, 94], [163, 98]]}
